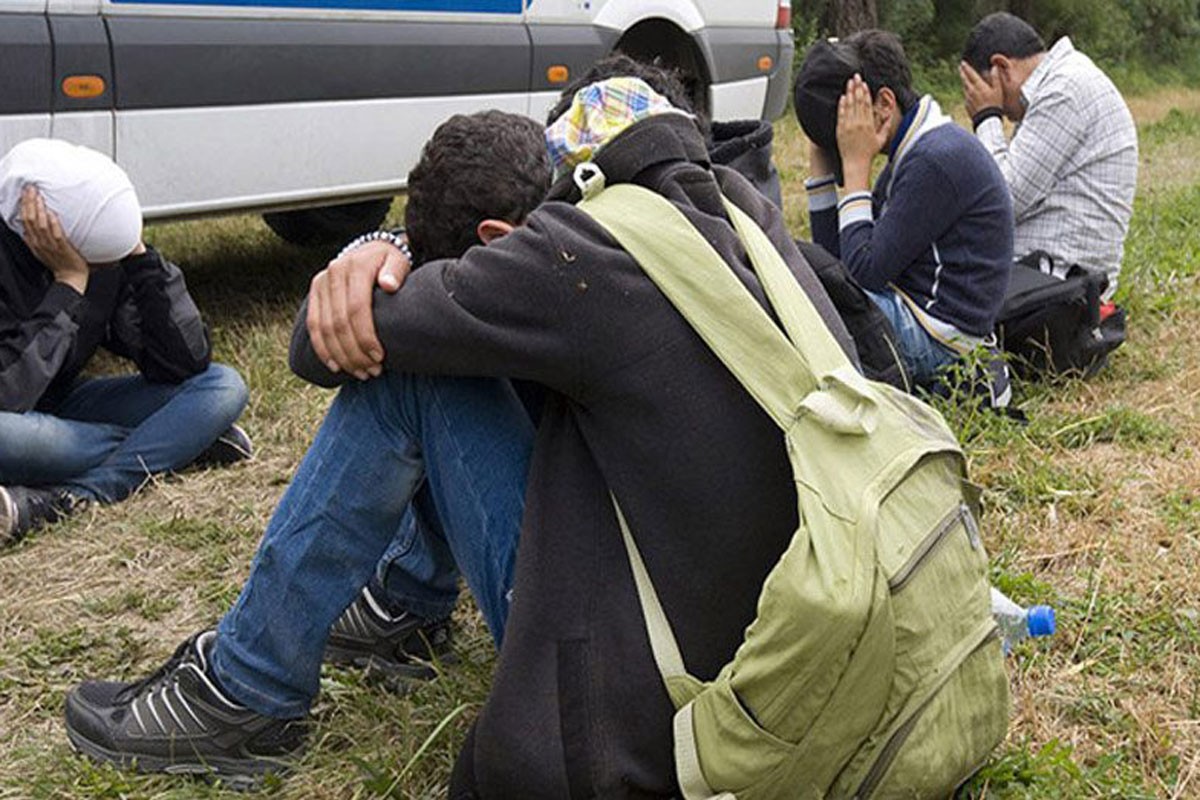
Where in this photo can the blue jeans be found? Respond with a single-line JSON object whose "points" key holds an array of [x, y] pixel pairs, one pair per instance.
{"points": [[460, 446], [923, 354], [109, 434]]}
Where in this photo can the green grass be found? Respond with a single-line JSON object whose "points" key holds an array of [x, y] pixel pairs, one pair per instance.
{"points": [[1094, 506]]}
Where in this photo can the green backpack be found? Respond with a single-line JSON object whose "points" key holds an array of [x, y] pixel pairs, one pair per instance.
{"points": [[872, 668]]}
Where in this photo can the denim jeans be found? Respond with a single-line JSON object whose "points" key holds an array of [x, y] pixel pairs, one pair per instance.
{"points": [[109, 434], [923, 354], [460, 446]]}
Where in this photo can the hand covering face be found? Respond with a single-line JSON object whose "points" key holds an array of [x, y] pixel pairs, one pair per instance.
{"points": [[93, 198]]}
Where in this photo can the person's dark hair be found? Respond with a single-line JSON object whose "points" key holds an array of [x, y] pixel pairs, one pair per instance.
{"points": [[665, 81], [882, 62], [488, 165], [1001, 34]]}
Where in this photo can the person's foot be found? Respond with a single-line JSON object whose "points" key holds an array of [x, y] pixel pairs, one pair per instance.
{"points": [[179, 721], [232, 446], [24, 509], [401, 647]]}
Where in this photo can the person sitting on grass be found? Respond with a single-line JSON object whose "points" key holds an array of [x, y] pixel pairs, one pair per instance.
{"points": [[932, 243], [75, 276], [635, 403], [1072, 161]]}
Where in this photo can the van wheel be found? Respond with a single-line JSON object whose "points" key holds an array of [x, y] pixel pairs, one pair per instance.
{"points": [[328, 225], [657, 41]]}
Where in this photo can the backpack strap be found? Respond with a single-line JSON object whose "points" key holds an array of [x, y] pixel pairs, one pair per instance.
{"points": [[807, 374], [800, 318], [702, 287]]}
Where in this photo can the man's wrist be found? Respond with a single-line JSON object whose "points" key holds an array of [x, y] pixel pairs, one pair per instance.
{"points": [[984, 114], [856, 179], [76, 280]]}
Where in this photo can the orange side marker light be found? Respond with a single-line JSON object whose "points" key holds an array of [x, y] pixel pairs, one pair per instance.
{"points": [[558, 73], [83, 86], [765, 63]]}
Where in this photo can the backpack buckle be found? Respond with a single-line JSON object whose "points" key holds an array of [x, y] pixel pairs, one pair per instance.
{"points": [[589, 179]]}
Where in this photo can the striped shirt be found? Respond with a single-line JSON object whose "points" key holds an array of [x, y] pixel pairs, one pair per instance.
{"points": [[1071, 164]]}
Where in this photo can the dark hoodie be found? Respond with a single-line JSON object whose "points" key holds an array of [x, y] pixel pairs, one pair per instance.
{"points": [[138, 309], [637, 404]]}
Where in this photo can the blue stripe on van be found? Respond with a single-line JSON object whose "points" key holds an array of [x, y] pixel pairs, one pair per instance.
{"points": [[477, 6]]}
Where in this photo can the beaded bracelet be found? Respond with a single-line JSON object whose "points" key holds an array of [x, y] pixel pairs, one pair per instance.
{"points": [[399, 242]]}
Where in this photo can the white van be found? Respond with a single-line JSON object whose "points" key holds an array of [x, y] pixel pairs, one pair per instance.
{"points": [[294, 106]]}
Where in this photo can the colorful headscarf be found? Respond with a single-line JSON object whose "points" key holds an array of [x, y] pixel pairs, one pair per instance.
{"points": [[597, 114]]}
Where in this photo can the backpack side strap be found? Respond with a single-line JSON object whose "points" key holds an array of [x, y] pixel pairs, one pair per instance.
{"points": [[704, 289]]}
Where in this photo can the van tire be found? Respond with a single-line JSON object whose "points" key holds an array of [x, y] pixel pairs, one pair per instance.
{"points": [[328, 225]]}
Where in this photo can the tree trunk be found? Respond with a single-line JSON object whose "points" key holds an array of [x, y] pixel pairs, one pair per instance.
{"points": [[855, 15]]}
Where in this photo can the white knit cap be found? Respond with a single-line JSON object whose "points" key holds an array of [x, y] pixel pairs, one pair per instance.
{"points": [[92, 197]]}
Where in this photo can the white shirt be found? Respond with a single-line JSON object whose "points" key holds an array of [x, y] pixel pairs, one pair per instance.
{"points": [[1071, 164]]}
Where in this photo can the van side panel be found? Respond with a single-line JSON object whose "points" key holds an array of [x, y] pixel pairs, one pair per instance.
{"points": [[190, 161], [188, 62], [456, 6], [25, 64], [576, 47], [80, 48]]}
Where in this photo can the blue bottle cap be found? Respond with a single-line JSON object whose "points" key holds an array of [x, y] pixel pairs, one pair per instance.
{"points": [[1041, 621]]}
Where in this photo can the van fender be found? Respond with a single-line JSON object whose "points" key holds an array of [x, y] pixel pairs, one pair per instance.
{"points": [[624, 14]]}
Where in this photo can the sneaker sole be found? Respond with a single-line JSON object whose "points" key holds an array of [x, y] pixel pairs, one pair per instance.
{"points": [[239, 774], [407, 675]]}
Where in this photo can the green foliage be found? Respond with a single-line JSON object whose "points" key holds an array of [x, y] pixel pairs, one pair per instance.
{"points": [[1130, 35]]}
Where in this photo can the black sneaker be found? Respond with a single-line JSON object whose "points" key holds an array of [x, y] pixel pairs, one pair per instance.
{"points": [[178, 721], [232, 446], [24, 509], [402, 647]]}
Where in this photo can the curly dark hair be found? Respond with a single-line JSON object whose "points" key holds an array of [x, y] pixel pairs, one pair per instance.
{"points": [[883, 62], [1004, 34], [666, 81], [487, 165]]}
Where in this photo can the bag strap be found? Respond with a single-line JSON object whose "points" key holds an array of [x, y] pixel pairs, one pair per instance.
{"points": [[803, 323], [722, 311]]}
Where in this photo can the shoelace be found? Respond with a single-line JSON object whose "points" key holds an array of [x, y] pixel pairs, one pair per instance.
{"points": [[155, 679]]}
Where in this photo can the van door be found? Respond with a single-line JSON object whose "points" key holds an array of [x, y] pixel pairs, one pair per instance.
{"points": [[227, 104], [82, 85], [566, 41], [25, 65]]}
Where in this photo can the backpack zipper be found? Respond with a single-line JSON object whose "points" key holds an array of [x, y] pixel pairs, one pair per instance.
{"points": [[888, 754], [927, 546]]}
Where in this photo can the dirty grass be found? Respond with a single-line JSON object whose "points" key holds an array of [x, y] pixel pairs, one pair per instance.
{"points": [[1094, 507]]}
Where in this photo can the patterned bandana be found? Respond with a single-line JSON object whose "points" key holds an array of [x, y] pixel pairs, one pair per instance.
{"points": [[597, 114]]}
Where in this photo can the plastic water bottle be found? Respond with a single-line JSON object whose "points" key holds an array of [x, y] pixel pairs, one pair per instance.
{"points": [[1017, 623]]}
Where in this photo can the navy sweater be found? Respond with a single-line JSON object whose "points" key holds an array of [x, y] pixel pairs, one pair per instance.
{"points": [[939, 226]]}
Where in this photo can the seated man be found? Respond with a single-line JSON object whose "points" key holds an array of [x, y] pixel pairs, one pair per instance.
{"points": [[932, 243], [636, 404], [74, 277], [1072, 162]]}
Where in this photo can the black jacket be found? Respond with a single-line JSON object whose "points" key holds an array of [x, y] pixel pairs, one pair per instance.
{"points": [[639, 405], [139, 309]]}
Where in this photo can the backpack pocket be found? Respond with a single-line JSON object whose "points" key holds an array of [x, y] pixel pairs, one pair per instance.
{"points": [[948, 736], [929, 547]]}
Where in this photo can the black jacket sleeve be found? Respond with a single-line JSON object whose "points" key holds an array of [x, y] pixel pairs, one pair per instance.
{"points": [[502, 310], [32, 350], [157, 324]]}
